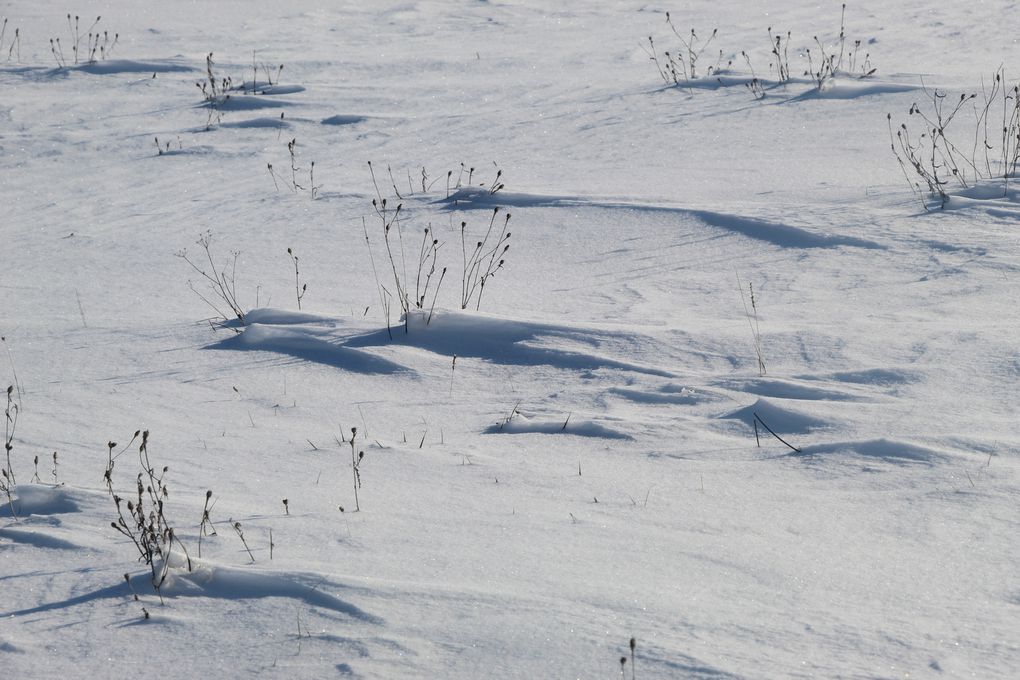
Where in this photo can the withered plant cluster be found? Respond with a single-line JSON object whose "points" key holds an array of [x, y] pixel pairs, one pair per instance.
{"points": [[87, 45], [145, 522], [959, 141], [217, 286], [681, 66], [14, 46], [215, 91], [480, 262]]}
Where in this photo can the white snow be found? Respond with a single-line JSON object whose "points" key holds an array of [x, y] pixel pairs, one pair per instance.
{"points": [[574, 463]]}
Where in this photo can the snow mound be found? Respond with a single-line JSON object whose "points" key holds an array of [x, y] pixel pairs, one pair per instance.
{"points": [[881, 377], [265, 89], [521, 424], [782, 419], [664, 394], [37, 539], [242, 102], [112, 66], [284, 317], [889, 450], [776, 233], [261, 122], [308, 347], [37, 499], [779, 234], [506, 341], [852, 88], [343, 119], [788, 389], [208, 580]]}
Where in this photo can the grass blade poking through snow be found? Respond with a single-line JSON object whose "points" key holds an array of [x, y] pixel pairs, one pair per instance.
{"points": [[752, 321]]}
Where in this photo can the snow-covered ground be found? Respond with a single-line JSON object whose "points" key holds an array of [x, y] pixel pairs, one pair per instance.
{"points": [[583, 460]]}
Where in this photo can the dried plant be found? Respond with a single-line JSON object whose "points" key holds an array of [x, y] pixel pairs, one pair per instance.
{"points": [[87, 46], [843, 58], [146, 524], [220, 283], [162, 149], [427, 255], [680, 66], [268, 70], [215, 91], [847, 60], [480, 263], [299, 288], [205, 527], [975, 149], [240, 534], [752, 320], [296, 171], [356, 458], [7, 479], [15, 43], [484, 260]]}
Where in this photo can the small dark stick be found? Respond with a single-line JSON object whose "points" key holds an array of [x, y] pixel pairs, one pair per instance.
{"points": [[633, 644], [772, 432]]}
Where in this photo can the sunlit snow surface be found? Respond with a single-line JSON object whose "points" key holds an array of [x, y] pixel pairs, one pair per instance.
{"points": [[587, 457]]}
